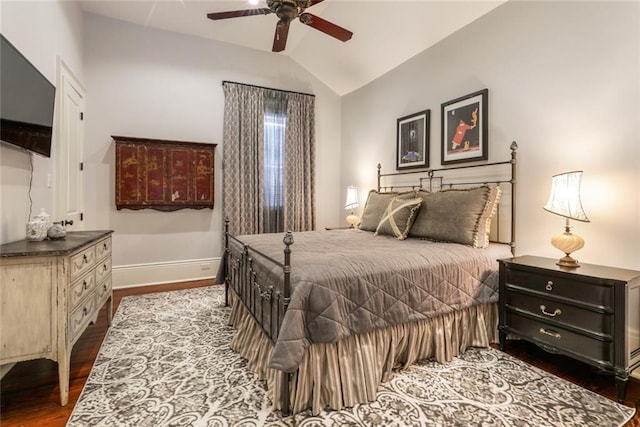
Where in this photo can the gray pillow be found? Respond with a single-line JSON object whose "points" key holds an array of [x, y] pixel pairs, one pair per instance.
{"points": [[398, 217], [374, 208], [457, 215]]}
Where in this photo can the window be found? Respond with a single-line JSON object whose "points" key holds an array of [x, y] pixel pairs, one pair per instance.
{"points": [[275, 123]]}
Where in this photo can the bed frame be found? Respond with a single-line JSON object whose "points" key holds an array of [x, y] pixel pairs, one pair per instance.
{"points": [[240, 275]]}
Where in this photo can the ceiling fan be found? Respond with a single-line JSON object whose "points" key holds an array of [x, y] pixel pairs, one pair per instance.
{"points": [[287, 11]]}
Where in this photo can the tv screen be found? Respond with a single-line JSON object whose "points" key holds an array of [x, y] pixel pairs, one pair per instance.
{"points": [[27, 100]]}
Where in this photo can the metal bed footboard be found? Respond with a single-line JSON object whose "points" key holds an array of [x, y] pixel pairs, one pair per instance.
{"points": [[262, 300]]}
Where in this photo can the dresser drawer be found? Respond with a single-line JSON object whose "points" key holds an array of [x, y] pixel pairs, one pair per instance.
{"points": [[103, 269], [81, 288], [103, 248], [560, 338], [81, 315], [82, 262], [103, 291], [555, 311], [590, 293]]}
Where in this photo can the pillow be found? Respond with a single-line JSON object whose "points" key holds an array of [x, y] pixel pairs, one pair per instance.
{"points": [[398, 217], [457, 215], [484, 222], [374, 209]]}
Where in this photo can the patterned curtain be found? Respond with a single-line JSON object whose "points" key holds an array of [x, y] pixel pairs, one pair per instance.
{"points": [[250, 198], [243, 158], [299, 181]]}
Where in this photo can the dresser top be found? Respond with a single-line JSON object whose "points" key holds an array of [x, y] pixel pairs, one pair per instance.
{"points": [[585, 270], [72, 241]]}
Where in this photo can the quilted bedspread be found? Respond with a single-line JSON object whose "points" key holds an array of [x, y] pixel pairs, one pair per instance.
{"points": [[348, 282]]}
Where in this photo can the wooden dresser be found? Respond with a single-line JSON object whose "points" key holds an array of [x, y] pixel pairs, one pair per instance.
{"points": [[591, 313], [49, 293]]}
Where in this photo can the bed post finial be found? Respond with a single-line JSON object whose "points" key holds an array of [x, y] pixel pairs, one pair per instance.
{"points": [[379, 174]]}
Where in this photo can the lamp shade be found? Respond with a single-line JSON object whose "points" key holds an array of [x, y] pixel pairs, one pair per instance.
{"points": [[352, 198], [565, 196]]}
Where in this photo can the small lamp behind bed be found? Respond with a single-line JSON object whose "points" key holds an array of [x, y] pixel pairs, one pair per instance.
{"points": [[565, 201], [351, 204]]}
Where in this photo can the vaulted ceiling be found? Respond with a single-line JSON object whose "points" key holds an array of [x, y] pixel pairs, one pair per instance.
{"points": [[386, 33]]}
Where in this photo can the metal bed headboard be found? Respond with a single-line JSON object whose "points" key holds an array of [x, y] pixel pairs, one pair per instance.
{"points": [[435, 179]]}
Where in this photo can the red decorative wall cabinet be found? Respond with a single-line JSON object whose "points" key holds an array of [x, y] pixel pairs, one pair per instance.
{"points": [[163, 175]]}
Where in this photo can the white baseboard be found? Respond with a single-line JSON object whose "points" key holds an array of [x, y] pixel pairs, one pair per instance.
{"points": [[157, 273]]}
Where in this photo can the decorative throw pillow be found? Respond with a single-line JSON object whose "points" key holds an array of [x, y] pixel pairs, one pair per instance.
{"points": [[398, 217], [457, 215], [481, 239], [374, 209]]}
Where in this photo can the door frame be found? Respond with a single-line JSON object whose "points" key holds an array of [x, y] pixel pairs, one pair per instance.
{"points": [[64, 76]]}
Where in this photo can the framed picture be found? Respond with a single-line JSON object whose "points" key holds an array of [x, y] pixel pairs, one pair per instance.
{"points": [[412, 149], [465, 128]]}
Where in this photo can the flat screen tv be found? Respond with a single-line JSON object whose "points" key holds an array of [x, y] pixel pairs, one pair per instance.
{"points": [[27, 100]]}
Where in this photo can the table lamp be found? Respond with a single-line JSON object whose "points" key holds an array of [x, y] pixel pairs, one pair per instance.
{"points": [[350, 204], [565, 201]]}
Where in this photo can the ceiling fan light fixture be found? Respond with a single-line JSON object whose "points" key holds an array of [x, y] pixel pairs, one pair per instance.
{"points": [[287, 11]]}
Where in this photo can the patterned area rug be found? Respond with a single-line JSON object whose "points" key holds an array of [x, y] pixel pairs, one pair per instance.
{"points": [[166, 362]]}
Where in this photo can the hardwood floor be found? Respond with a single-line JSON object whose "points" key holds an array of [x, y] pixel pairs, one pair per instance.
{"points": [[29, 393]]}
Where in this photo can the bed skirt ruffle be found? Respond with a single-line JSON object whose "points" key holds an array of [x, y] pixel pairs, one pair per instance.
{"points": [[341, 374]]}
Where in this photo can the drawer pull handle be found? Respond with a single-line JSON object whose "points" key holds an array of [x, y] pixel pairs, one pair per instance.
{"points": [[550, 333], [104, 266], [84, 259], [84, 285], [556, 312], [104, 287], [549, 286], [104, 246], [84, 311]]}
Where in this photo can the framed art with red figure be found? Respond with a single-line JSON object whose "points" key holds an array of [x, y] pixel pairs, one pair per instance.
{"points": [[465, 129]]}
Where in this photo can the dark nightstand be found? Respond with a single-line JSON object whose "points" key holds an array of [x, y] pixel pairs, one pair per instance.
{"points": [[591, 313]]}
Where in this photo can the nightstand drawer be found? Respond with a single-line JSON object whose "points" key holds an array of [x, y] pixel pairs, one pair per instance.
{"points": [[598, 295], [555, 311], [559, 338]]}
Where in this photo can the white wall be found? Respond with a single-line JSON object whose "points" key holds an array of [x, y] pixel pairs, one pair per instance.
{"points": [[564, 82], [149, 83], [41, 31]]}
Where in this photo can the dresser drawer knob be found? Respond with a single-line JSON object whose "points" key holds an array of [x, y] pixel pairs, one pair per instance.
{"points": [[84, 285], [555, 313], [104, 246], [550, 333], [549, 286], [84, 259], [85, 311]]}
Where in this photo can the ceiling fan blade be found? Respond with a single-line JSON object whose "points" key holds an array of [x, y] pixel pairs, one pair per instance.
{"points": [[280, 37], [325, 26], [238, 13]]}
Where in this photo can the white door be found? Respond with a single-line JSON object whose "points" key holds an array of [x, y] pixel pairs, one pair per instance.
{"points": [[69, 144]]}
